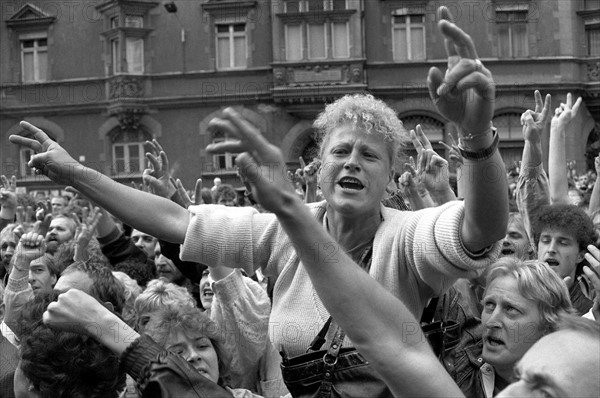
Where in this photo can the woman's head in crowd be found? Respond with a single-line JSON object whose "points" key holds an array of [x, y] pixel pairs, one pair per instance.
{"points": [[360, 137], [562, 234], [62, 364], [160, 295], [192, 334], [363, 112], [523, 301]]}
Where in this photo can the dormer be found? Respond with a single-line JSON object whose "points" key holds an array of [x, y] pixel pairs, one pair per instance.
{"points": [[30, 17]]}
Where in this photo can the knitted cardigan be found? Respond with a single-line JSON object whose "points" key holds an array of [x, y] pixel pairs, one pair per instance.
{"points": [[416, 255]]}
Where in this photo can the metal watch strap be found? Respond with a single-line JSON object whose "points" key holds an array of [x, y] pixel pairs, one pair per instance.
{"points": [[482, 154]]}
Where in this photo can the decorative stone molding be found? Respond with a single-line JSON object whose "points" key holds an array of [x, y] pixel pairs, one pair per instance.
{"points": [[593, 71], [128, 116], [318, 74], [125, 87]]}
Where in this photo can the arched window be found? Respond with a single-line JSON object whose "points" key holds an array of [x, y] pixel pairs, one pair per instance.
{"points": [[128, 151], [433, 129], [509, 126]]}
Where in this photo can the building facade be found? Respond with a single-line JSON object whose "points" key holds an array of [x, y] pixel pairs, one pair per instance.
{"points": [[102, 77]]}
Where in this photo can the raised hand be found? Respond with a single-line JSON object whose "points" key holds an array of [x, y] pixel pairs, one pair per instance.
{"points": [[466, 93], [566, 112], [533, 122], [453, 151], [8, 197], [85, 231], [592, 273], [30, 246], [77, 312], [260, 163], [183, 199], [158, 176], [50, 159]]}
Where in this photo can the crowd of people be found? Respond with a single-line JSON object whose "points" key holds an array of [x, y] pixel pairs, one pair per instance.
{"points": [[352, 276]]}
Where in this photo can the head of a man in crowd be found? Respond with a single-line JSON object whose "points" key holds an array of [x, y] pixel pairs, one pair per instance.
{"points": [[59, 204], [561, 364], [562, 234], [225, 195], [55, 363], [144, 242], [43, 274], [96, 279], [166, 269], [8, 243], [516, 243], [523, 301], [62, 229]]}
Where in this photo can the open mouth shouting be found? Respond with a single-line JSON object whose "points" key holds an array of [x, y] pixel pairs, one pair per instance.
{"points": [[507, 251], [552, 262], [350, 183], [493, 341]]}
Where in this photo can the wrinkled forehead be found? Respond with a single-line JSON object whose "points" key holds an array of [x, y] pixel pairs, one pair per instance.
{"points": [[64, 222], [349, 133], [569, 358]]}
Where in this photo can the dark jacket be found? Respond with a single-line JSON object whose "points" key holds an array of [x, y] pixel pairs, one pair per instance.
{"points": [[162, 374]]}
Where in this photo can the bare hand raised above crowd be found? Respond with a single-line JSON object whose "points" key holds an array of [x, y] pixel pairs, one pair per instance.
{"points": [[534, 121], [466, 93], [158, 176], [260, 163], [50, 159]]}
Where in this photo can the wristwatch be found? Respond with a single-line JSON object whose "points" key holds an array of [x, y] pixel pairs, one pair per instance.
{"points": [[482, 154]]}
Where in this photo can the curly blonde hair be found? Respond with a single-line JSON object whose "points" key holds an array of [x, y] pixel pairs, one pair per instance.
{"points": [[365, 112]]}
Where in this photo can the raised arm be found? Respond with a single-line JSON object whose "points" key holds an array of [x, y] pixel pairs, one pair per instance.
{"points": [[532, 183], [557, 156], [466, 95], [8, 200], [146, 212], [398, 351], [433, 169], [595, 198]]}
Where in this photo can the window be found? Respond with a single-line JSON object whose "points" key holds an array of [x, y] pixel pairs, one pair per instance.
{"points": [[592, 34], [512, 34], [25, 155], [408, 36], [509, 126], [134, 54], [125, 23], [318, 33], [128, 153], [115, 56], [223, 161], [231, 46], [34, 59]]}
